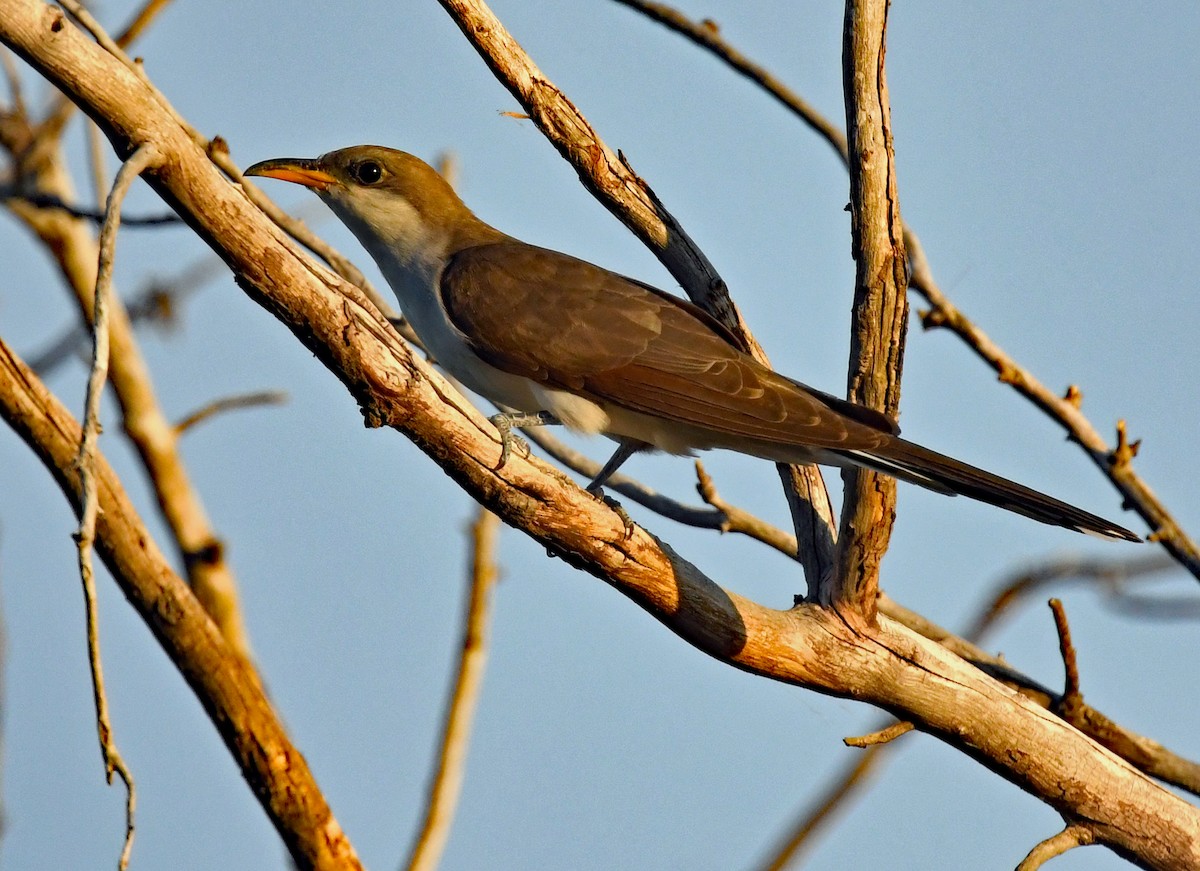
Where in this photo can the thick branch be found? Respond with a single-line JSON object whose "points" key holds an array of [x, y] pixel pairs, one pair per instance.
{"points": [[880, 316]]}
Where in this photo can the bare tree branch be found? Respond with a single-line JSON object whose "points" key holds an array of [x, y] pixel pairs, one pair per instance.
{"points": [[1075, 835], [880, 312], [230, 403], [446, 783], [146, 156], [1071, 696]]}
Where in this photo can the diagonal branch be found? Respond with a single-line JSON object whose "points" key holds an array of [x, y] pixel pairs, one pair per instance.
{"points": [[707, 35], [1143, 753], [460, 712]]}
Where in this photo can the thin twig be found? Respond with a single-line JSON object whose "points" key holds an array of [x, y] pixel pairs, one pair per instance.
{"points": [[1068, 839], [741, 521], [49, 201], [1106, 573], [708, 36], [881, 736], [446, 784], [144, 157], [1071, 695], [229, 403]]}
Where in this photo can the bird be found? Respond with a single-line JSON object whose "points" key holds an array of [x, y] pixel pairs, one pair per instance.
{"points": [[554, 339]]}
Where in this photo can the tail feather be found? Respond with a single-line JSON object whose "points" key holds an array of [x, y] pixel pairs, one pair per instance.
{"points": [[915, 464]]}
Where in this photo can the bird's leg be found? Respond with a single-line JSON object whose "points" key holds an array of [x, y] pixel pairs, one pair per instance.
{"points": [[626, 448], [506, 420]]}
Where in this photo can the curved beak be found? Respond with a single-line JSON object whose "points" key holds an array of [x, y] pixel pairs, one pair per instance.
{"points": [[298, 170]]}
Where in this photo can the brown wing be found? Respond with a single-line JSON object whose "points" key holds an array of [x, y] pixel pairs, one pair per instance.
{"points": [[566, 323], [569, 324]]}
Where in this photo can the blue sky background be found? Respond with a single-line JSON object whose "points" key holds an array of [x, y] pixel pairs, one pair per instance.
{"points": [[1046, 158]]}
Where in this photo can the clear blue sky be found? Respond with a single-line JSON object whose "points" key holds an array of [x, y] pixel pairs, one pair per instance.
{"points": [[1046, 158]]}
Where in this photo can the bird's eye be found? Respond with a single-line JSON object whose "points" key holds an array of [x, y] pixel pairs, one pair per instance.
{"points": [[368, 172]]}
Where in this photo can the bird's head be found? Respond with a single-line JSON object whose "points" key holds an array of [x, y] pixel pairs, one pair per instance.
{"points": [[396, 204]]}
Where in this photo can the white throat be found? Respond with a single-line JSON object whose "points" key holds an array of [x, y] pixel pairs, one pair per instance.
{"points": [[409, 252]]}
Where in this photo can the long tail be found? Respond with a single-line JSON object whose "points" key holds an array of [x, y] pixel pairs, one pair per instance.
{"points": [[918, 465]]}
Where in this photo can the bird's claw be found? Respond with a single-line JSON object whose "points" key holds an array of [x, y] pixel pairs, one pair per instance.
{"points": [[599, 494], [503, 424]]}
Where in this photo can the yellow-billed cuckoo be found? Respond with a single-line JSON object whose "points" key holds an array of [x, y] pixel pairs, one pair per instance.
{"points": [[563, 341]]}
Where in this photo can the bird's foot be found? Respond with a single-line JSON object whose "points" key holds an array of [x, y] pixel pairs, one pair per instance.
{"points": [[504, 423], [599, 494]]}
